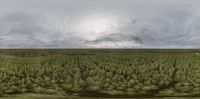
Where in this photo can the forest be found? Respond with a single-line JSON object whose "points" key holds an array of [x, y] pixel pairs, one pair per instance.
{"points": [[100, 72]]}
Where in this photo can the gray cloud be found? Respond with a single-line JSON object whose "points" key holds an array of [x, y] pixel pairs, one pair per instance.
{"points": [[131, 23]]}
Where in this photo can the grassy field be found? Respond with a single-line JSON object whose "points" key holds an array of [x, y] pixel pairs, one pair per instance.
{"points": [[103, 73], [46, 97], [53, 97]]}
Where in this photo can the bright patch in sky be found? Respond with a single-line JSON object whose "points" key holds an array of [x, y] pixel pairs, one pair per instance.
{"points": [[95, 26]]}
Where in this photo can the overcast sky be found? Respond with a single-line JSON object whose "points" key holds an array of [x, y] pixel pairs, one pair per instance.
{"points": [[99, 24]]}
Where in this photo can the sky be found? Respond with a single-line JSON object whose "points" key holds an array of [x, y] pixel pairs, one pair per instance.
{"points": [[99, 24]]}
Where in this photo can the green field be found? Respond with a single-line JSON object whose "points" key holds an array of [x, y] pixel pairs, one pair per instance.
{"points": [[102, 73], [45, 97]]}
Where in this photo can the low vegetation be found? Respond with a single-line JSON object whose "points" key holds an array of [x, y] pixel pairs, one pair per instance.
{"points": [[85, 72]]}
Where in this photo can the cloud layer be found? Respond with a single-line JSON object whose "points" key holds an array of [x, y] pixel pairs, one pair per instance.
{"points": [[128, 24]]}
